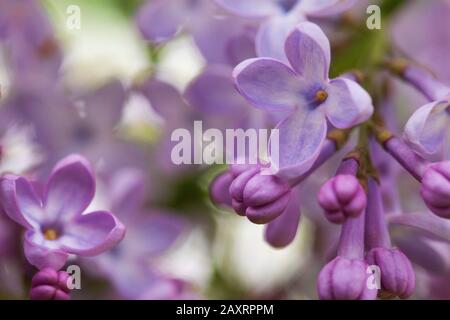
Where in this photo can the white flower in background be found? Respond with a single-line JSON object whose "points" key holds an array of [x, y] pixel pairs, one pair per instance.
{"points": [[180, 63], [19, 153], [258, 266]]}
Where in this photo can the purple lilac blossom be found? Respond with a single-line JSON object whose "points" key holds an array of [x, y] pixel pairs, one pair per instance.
{"points": [[54, 220], [304, 90], [149, 236]]}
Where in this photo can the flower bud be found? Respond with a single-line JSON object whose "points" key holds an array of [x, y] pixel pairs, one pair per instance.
{"points": [[260, 197], [342, 197], [219, 189], [396, 272], [49, 284], [345, 279], [435, 189]]}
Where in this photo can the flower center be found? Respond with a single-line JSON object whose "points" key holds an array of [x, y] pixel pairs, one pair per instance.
{"points": [[287, 5], [51, 234], [320, 96]]}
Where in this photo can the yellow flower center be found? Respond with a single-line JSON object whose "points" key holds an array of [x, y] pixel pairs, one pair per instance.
{"points": [[321, 96], [51, 234]]}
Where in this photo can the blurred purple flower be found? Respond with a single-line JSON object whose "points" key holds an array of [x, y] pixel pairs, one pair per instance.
{"points": [[54, 220], [160, 20], [281, 17], [32, 53], [428, 44], [149, 235], [214, 95], [304, 90]]}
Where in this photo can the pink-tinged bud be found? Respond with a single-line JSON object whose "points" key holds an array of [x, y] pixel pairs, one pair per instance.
{"points": [[345, 279], [396, 272], [260, 197], [342, 197], [49, 284], [435, 189]]}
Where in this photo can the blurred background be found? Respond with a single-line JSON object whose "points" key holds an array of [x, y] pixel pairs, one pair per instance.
{"points": [[104, 91]]}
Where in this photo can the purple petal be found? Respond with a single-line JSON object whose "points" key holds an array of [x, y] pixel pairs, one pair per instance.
{"points": [[91, 234], [272, 34], [427, 223], [268, 83], [301, 137], [325, 8], [226, 41], [70, 188], [308, 50], [281, 232], [250, 8], [157, 232], [165, 100], [426, 129], [219, 189], [348, 104], [159, 20], [105, 103], [20, 202], [40, 255], [127, 192], [213, 92]]}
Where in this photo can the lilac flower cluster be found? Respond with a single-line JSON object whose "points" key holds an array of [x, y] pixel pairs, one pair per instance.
{"points": [[359, 184]]}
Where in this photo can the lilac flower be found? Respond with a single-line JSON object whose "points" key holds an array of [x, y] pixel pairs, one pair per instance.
{"points": [[435, 188], [174, 113], [226, 41], [160, 20], [429, 45], [342, 196], [214, 95], [50, 284], [281, 16], [32, 53], [396, 272], [54, 220], [425, 130], [87, 124], [303, 91], [149, 236], [345, 277]]}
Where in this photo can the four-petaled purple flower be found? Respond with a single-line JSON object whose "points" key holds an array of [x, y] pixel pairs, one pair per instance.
{"points": [[54, 219], [303, 92]]}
